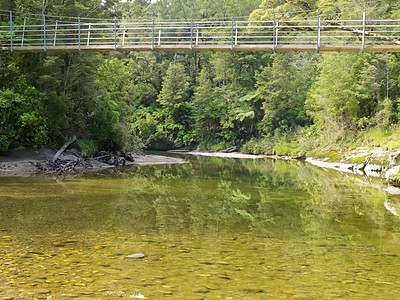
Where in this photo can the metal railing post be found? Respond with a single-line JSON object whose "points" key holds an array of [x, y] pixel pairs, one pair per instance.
{"points": [[79, 33], [152, 37], [191, 34], [236, 34], [232, 35], [44, 32], [115, 33], [11, 33], [55, 34], [159, 36], [319, 31], [273, 36], [123, 35], [197, 35], [88, 36], [23, 33], [364, 21]]}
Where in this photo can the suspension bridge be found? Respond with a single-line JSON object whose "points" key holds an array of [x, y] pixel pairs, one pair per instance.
{"points": [[279, 33]]}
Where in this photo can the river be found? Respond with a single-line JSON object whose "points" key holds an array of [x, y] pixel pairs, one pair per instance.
{"points": [[213, 228]]}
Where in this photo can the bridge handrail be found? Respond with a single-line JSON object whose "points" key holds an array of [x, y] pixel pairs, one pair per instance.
{"points": [[314, 32]]}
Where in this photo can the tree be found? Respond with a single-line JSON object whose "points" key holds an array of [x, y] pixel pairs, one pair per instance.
{"points": [[280, 85], [174, 96], [342, 103]]}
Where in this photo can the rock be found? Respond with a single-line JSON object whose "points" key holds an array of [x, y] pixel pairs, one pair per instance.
{"points": [[136, 255], [373, 170], [392, 171], [393, 158], [393, 190], [229, 150]]}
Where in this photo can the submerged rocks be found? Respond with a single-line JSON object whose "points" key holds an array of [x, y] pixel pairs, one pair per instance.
{"points": [[136, 255]]}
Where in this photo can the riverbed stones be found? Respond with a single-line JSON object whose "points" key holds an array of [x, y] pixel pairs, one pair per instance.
{"points": [[136, 255]]}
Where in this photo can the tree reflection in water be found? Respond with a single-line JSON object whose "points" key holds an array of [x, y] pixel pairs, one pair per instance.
{"points": [[278, 228]]}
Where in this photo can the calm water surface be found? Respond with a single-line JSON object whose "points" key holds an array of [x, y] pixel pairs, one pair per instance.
{"points": [[210, 229]]}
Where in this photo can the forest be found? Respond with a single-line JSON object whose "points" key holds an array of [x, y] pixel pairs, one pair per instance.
{"points": [[260, 102]]}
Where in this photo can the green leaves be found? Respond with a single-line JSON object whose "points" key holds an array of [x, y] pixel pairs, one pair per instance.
{"points": [[21, 123], [175, 87]]}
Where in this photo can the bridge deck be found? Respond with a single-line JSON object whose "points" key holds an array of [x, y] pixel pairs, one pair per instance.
{"points": [[178, 48]]}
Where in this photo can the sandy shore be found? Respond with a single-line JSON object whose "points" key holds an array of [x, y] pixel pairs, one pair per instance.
{"points": [[21, 163]]}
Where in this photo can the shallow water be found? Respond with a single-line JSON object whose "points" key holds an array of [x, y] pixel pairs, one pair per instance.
{"points": [[210, 229]]}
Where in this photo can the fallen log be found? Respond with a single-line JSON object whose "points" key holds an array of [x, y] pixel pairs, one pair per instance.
{"points": [[65, 146]]}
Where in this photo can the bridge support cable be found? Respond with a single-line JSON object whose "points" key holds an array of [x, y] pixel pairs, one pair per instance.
{"points": [[159, 36], [55, 34], [88, 36], [197, 35], [44, 33], [123, 35], [273, 35], [23, 33], [232, 35], [364, 21], [11, 31], [79, 33], [319, 31], [115, 34], [152, 36], [191, 34], [236, 34]]}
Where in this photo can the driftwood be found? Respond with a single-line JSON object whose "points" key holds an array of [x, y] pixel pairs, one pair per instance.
{"points": [[66, 166], [110, 158], [61, 167], [65, 146]]}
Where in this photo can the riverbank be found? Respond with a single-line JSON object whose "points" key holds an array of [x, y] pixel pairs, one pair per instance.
{"points": [[373, 162], [24, 163], [378, 163]]}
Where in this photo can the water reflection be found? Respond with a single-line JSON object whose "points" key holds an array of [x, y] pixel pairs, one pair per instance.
{"points": [[210, 229]]}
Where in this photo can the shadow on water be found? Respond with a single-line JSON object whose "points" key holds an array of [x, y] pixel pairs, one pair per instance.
{"points": [[212, 228]]}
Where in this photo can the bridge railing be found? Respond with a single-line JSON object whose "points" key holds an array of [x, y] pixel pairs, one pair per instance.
{"points": [[318, 31]]}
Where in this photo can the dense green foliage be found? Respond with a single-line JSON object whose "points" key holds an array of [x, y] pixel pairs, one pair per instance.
{"points": [[285, 103]]}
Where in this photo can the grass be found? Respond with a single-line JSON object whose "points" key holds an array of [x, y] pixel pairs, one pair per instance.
{"points": [[376, 137], [311, 144]]}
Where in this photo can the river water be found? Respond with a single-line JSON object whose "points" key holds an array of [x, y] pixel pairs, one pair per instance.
{"points": [[210, 229]]}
